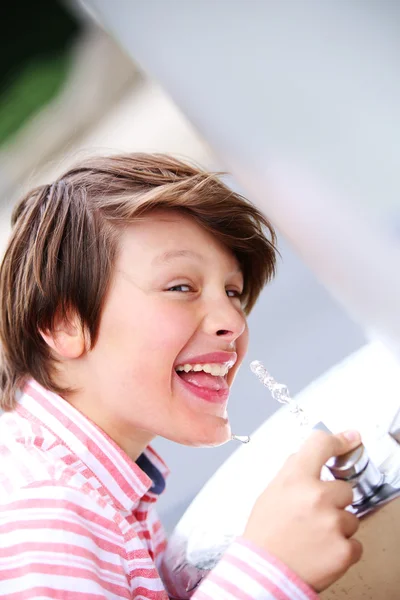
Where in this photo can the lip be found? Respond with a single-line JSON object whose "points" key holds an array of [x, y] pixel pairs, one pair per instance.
{"points": [[214, 396], [222, 358]]}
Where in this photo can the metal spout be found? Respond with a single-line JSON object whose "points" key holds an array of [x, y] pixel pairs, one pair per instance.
{"points": [[356, 468], [371, 488]]}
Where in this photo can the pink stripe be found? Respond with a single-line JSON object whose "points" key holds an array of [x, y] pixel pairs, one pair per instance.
{"points": [[160, 548], [141, 515], [263, 580], [61, 519], [145, 534], [150, 594], [281, 567], [64, 571], [52, 593], [70, 459], [140, 553], [67, 507], [150, 573], [94, 448], [229, 587], [157, 526], [59, 548], [54, 526]]}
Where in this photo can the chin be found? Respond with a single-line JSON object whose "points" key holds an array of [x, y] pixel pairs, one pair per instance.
{"points": [[216, 432]]}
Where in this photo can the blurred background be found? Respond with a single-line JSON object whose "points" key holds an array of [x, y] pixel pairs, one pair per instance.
{"points": [[67, 90]]}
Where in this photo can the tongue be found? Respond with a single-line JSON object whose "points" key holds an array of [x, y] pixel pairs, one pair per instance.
{"points": [[204, 380]]}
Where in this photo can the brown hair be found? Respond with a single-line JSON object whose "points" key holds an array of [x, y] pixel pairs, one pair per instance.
{"points": [[65, 240]]}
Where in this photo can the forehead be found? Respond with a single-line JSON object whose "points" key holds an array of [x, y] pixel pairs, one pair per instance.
{"points": [[163, 237]]}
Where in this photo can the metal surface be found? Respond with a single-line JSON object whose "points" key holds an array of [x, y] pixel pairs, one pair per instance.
{"points": [[356, 468], [347, 466]]}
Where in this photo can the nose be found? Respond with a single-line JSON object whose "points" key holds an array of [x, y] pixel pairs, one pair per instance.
{"points": [[224, 318]]}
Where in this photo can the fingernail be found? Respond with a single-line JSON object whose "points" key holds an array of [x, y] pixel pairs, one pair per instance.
{"points": [[352, 435]]}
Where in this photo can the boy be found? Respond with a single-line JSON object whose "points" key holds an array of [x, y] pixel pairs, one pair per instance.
{"points": [[124, 290]]}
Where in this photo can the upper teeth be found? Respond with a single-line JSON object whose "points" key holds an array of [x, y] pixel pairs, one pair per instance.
{"points": [[213, 369]]}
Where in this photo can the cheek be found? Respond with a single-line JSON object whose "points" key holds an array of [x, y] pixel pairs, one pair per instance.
{"points": [[156, 341], [149, 331], [164, 332]]}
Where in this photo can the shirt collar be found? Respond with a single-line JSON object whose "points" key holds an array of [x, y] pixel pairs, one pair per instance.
{"points": [[124, 480]]}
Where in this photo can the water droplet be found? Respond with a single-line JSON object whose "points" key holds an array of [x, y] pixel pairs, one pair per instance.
{"points": [[244, 439], [279, 391]]}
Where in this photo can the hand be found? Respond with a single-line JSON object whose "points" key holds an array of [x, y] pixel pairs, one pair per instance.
{"points": [[301, 519]]}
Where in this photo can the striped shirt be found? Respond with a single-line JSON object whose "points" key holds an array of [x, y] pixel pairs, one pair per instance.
{"points": [[77, 518]]}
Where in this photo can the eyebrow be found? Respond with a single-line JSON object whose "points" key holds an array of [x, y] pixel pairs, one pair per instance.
{"points": [[166, 257], [169, 255]]}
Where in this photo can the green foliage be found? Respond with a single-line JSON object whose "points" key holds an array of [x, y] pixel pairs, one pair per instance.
{"points": [[38, 82]]}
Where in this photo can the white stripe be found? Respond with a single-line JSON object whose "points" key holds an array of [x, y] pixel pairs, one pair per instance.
{"points": [[71, 440], [79, 492], [64, 514], [19, 455], [153, 584], [242, 580], [141, 563], [63, 583], [269, 570], [60, 537], [100, 532], [91, 432], [214, 591], [157, 462], [57, 491], [64, 560], [28, 513], [45, 468]]}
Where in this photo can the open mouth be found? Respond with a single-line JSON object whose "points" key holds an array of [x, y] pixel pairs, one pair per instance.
{"points": [[206, 380]]}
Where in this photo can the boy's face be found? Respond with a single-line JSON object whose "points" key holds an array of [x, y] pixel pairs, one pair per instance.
{"points": [[174, 301]]}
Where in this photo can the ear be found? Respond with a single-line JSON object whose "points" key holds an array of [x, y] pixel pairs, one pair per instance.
{"points": [[67, 339]]}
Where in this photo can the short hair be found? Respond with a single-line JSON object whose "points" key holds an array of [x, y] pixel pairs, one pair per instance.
{"points": [[64, 243]]}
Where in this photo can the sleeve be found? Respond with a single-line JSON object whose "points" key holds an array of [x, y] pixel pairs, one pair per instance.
{"points": [[246, 572], [55, 542]]}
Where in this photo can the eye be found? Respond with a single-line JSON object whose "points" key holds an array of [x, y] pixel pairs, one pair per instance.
{"points": [[182, 287], [234, 293]]}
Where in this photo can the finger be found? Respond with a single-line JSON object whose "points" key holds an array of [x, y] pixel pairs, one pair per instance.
{"points": [[320, 446], [356, 550], [349, 523], [339, 492]]}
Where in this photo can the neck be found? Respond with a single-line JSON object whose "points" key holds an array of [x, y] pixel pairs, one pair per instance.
{"points": [[88, 400], [132, 441]]}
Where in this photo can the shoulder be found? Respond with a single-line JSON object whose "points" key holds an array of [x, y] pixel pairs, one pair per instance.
{"points": [[29, 453], [35, 461]]}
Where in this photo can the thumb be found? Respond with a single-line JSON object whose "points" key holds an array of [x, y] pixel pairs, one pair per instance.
{"points": [[321, 446]]}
